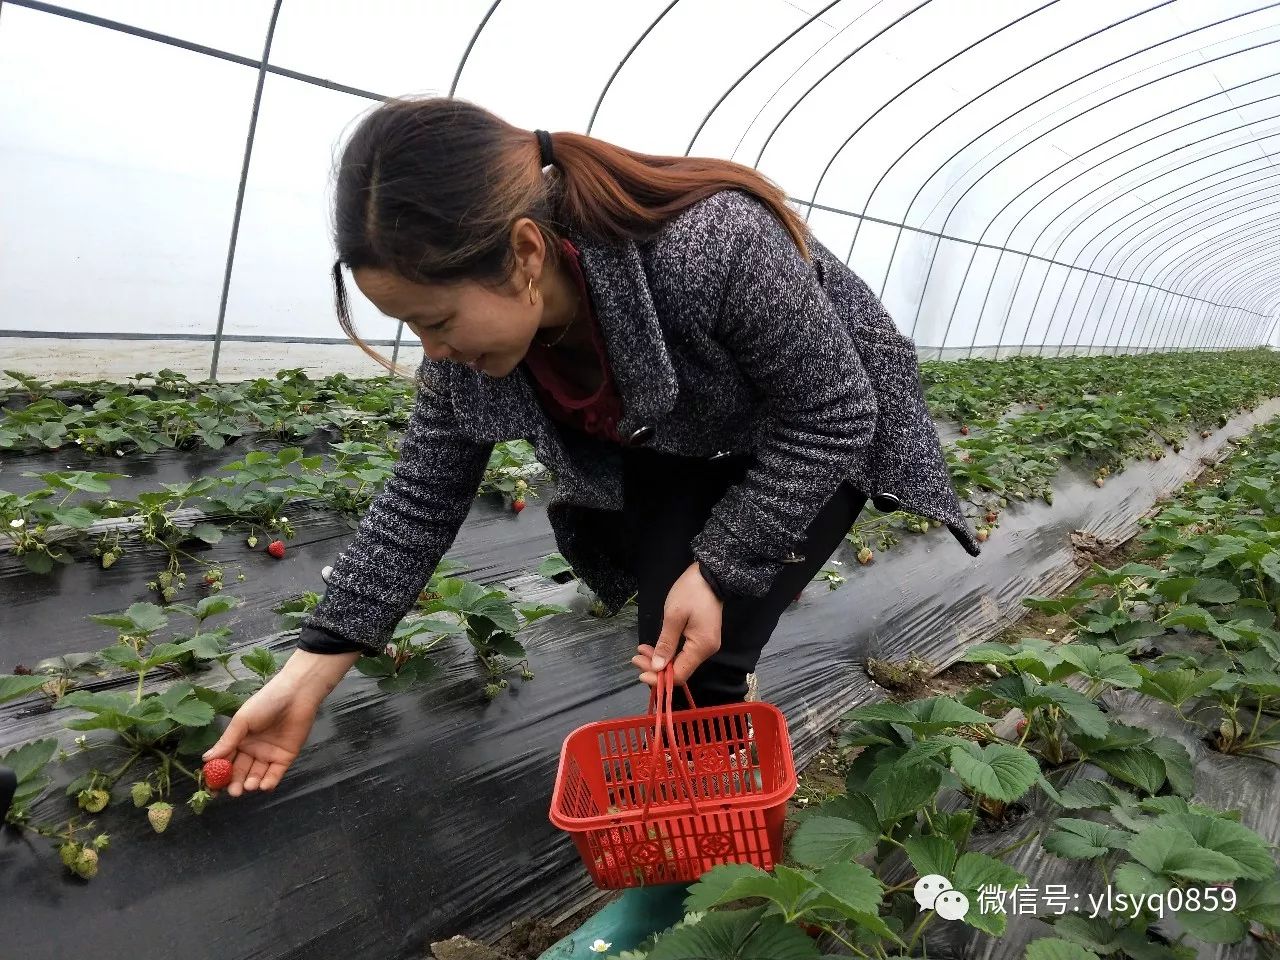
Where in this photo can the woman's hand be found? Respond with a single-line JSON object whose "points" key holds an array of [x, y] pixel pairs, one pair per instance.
{"points": [[693, 611], [266, 734]]}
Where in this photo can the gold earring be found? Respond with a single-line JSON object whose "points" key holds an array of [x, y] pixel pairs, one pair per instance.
{"points": [[532, 299]]}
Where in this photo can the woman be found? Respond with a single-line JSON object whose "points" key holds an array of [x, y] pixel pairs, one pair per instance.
{"points": [[715, 392]]}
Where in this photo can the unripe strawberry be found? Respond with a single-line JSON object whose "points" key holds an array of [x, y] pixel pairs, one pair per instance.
{"points": [[199, 800], [517, 504], [87, 865], [276, 549], [865, 556], [217, 773], [69, 853], [1020, 726], [165, 578], [251, 542], [992, 516], [109, 558], [159, 813], [1098, 481], [93, 800], [1204, 434], [141, 793], [169, 594], [982, 534]]}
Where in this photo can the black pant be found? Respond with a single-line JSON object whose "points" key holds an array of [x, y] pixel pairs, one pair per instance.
{"points": [[667, 502]]}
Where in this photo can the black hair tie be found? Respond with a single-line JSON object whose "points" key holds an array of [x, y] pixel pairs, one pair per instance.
{"points": [[544, 144]]}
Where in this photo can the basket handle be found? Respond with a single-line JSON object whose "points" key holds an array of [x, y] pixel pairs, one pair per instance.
{"points": [[661, 696]]}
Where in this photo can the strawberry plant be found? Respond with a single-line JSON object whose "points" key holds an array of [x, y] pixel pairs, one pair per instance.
{"points": [[511, 464], [491, 621], [30, 518]]}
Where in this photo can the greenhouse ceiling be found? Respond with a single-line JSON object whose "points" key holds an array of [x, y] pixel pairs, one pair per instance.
{"points": [[1063, 176]]}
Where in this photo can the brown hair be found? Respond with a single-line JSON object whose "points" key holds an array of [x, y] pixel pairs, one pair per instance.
{"points": [[428, 188]]}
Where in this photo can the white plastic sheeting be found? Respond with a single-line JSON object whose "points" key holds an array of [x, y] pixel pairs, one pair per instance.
{"points": [[1014, 176]]}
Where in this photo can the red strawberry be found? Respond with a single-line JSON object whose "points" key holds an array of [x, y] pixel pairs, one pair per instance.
{"points": [[276, 549], [217, 773], [964, 430], [1021, 726], [991, 516], [517, 504]]}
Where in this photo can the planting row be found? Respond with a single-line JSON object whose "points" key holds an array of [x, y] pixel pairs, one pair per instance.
{"points": [[1015, 457], [162, 731], [153, 411], [165, 409], [74, 507], [1191, 623]]}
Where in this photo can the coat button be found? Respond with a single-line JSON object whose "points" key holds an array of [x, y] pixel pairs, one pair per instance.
{"points": [[886, 502], [642, 434]]}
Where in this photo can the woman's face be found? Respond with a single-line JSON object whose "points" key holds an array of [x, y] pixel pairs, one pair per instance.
{"points": [[487, 329]]}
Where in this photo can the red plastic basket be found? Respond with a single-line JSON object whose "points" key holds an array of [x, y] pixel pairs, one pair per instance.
{"points": [[664, 797]]}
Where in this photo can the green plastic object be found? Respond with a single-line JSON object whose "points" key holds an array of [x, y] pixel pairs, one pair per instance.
{"points": [[625, 923]]}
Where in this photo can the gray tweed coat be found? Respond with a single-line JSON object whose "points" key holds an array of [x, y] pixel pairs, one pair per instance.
{"points": [[721, 338]]}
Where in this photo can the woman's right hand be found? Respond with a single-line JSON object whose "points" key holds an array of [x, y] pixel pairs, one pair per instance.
{"points": [[266, 735]]}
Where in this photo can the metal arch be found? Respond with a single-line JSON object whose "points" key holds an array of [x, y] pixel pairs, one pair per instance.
{"points": [[1018, 283], [1185, 324], [453, 89], [1230, 247], [1198, 273], [1098, 207], [924, 76], [1062, 239], [1034, 206], [942, 236], [1197, 321], [1245, 282], [466, 54], [1085, 246], [960, 109], [1193, 264], [751, 69], [1164, 321], [1105, 183], [1141, 143], [1009, 117], [621, 63], [1216, 240], [817, 83], [116, 26], [244, 179], [1263, 300], [1165, 241]]}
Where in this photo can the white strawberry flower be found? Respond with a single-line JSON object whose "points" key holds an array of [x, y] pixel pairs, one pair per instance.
{"points": [[119, 453], [600, 947], [17, 523]]}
